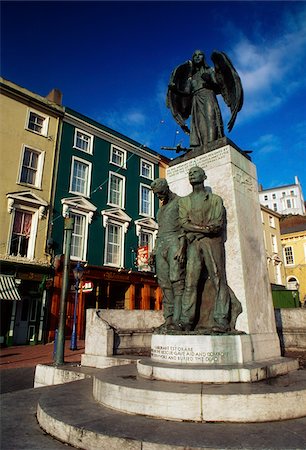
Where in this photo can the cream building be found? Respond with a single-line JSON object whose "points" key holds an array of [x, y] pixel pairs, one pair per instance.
{"points": [[29, 131], [273, 245], [293, 236]]}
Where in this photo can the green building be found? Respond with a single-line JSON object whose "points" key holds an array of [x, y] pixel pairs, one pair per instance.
{"points": [[103, 181]]}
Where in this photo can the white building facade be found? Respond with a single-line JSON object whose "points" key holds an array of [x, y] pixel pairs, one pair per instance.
{"points": [[284, 199]]}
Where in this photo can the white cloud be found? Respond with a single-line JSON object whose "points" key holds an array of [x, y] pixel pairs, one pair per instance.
{"points": [[267, 143], [271, 70]]}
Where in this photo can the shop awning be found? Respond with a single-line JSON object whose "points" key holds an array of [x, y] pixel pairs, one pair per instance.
{"points": [[8, 289]]}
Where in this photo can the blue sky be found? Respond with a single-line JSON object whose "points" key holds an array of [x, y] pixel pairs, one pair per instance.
{"points": [[113, 60]]}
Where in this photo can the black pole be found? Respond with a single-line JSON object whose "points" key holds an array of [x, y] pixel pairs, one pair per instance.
{"points": [[60, 347]]}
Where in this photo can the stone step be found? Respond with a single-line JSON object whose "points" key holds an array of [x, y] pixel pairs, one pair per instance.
{"points": [[122, 389], [230, 373], [69, 413]]}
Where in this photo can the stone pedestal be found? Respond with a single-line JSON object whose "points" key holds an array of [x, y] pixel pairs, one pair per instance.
{"points": [[214, 359], [232, 176], [212, 350]]}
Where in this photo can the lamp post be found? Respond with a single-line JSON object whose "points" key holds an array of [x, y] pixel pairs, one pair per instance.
{"points": [[78, 273]]}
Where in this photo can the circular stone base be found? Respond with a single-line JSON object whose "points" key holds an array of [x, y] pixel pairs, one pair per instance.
{"points": [[120, 388], [235, 373]]}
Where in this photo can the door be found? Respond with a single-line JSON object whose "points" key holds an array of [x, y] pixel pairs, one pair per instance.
{"points": [[22, 320]]}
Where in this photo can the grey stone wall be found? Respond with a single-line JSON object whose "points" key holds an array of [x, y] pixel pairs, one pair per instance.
{"points": [[291, 328]]}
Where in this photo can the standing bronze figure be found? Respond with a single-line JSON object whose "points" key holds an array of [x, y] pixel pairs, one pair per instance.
{"points": [[202, 217], [192, 93], [169, 253]]}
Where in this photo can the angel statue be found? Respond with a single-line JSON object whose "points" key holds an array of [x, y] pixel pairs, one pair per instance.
{"points": [[192, 92]]}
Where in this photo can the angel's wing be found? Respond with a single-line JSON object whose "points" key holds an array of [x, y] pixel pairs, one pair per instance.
{"points": [[177, 100], [230, 84]]}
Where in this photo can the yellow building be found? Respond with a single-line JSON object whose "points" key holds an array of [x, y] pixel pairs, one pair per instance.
{"points": [[29, 130], [273, 245], [293, 236]]}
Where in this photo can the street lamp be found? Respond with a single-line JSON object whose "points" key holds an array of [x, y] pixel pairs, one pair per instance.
{"points": [[78, 273]]}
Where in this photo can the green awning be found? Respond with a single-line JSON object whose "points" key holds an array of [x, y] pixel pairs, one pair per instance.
{"points": [[8, 288]]}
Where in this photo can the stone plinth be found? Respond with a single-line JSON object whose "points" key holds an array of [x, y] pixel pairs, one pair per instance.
{"points": [[232, 176], [214, 359], [212, 350]]}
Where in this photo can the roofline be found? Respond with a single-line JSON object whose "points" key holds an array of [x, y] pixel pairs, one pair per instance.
{"points": [[75, 118], [13, 89], [270, 211], [293, 233], [278, 187]]}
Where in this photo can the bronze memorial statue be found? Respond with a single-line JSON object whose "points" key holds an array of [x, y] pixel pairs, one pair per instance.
{"points": [[169, 253], [192, 93], [200, 296]]}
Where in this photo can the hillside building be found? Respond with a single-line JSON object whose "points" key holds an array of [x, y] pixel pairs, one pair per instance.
{"points": [[286, 199]]}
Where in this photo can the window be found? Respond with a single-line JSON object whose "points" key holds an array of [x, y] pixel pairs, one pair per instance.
{"points": [[265, 197], [289, 255], [146, 230], [31, 167], [26, 209], [291, 192], [274, 206], [78, 237], [292, 283], [116, 223], [274, 243], [82, 211], [288, 203], [278, 274], [118, 157], [37, 122], [283, 193], [80, 176], [83, 141], [113, 244], [146, 169], [146, 200], [21, 233], [146, 240], [271, 221], [274, 196], [116, 190]]}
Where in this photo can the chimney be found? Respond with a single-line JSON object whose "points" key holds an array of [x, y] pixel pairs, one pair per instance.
{"points": [[55, 96]]}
